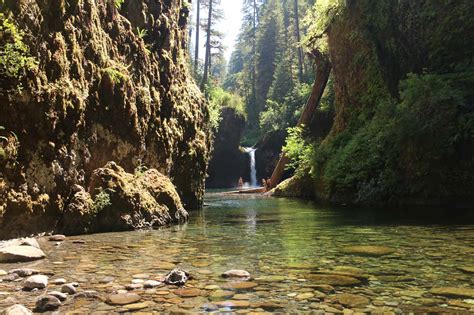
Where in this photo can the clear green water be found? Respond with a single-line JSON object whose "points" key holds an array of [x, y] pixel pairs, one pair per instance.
{"points": [[283, 244]]}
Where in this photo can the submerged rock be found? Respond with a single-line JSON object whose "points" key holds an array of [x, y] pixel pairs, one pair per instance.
{"points": [[176, 277], [334, 280], [188, 292], [15, 253], [235, 273], [123, 298], [351, 300], [453, 292], [368, 250]]}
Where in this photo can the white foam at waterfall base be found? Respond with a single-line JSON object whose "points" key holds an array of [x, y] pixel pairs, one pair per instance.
{"points": [[253, 169]]}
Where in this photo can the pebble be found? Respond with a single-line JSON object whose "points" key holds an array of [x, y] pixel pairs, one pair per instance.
{"points": [[4, 273], [25, 272], [47, 303], [36, 282], [106, 280], [123, 298], [241, 285], [133, 286], [138, 281], [188, 292], [61, 296], [304, 296], [151, 284], [57, 238], [58, 281], [68, 288]]}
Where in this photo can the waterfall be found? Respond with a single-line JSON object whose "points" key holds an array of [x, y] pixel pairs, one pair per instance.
{"points": [[253, 169]]}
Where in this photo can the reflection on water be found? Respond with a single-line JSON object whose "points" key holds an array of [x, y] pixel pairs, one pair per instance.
{"points": [[285, 245]]}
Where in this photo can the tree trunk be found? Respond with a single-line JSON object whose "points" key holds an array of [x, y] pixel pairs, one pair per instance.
{"points": [[196, 50], [298, 39], [323, 71], [208, 47]]}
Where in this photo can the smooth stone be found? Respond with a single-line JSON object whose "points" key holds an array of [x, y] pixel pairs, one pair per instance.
{"points": [[25, 272], [123, 298], [304, 296], [209, 307], [107, 280], [351, 300], [242, 297], [4, 273], [137, 306], [188, 292], [212, 287], [334, 280], [20, 253], [429, 301], [273, 278], [61, 296], [36, 282], [151, 284], [133, 286], [241, 285], [141, 276], [17, 309], [233, 304], [68, 288], [467, 269], [235, 273], [57, 238], [324, 288], [87, 294], [165, 265], [368, 250], [47, 303], [222, 294], [453, 292], [138, 281]]}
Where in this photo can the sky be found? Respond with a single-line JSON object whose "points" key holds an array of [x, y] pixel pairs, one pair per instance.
{"points": [[229, 26]]}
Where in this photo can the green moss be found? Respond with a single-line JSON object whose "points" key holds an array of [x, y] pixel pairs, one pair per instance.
{"points": [[117, 74]]}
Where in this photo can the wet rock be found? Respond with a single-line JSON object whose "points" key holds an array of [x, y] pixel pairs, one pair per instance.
{"points": [[20, 253], [334, 280], [151, 284], [323, 288], [351, 300], [61, 296], [57, 238], [24, 272], [188, 292], [235, 273], [221, 294], [106, 280], [138, 281], [368, 250], [47, 303], [137, 306], [241, 285], [11, 277], [209, 307], [233, 304], [17, 309], [123, 299], [304, 296], [133, 286], [141, 276], [87, 294], [453, 292], [212, 287], [429, 301], [68, 288], [36, 282], [176, 277], [467, 269]]}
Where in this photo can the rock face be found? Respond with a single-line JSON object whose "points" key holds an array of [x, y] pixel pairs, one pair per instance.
{"points": [[268, 154], [123, 201], [228, 162], [100, 92]]}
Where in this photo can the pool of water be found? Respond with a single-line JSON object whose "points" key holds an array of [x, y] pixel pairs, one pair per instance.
{"points": [[293, 250]]}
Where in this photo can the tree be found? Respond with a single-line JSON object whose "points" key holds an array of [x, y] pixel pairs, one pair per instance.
{"points": [[298, 40], [198, 22]]}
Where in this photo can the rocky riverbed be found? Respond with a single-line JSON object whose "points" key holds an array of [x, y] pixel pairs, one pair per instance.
{"points": [[252, 256]]}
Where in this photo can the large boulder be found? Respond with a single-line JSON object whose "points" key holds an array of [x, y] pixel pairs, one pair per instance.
{"points": [[120, 201]]}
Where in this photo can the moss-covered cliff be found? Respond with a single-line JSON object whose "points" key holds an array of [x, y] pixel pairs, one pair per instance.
{"points": [[96, 81], [404, 86]]}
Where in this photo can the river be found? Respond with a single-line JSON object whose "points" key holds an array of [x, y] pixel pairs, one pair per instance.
{"points": [[293, 250]]}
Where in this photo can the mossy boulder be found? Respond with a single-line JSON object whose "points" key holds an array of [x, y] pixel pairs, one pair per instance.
{"points": [[121, 201]]}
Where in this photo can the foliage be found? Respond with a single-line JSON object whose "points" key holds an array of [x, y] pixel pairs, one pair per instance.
{"points": [[298, 150], [410, 147], [118, 73], [101, 201], [141, 33], [15, 57], [219, 98], [118, 3]]}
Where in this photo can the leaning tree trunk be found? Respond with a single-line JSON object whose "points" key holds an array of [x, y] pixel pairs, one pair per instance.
{"points": [[323, 69]]}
